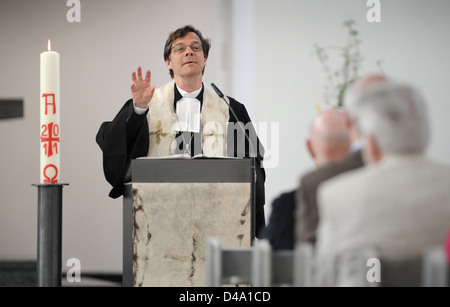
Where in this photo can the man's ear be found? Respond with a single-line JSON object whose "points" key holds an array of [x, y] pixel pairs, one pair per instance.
{"points": [[310, 149], [169, 65]]}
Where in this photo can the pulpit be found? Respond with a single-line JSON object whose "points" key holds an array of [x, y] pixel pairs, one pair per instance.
{"points": [[170, 208]]}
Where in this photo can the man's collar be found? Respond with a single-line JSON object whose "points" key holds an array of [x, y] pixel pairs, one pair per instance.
{"points": [[193, 94], [178, 95]]}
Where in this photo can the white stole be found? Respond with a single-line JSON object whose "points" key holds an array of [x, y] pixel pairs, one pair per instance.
{"points": [[162, 121]]}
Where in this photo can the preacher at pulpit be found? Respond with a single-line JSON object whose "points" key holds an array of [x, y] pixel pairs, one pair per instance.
{"points": [[181, 117]]}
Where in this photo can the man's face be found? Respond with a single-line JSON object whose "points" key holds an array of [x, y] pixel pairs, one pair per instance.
{"points": [[190, 62]]}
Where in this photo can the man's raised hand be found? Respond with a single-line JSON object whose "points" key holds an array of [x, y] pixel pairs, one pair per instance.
{"points": [[141, 90]]}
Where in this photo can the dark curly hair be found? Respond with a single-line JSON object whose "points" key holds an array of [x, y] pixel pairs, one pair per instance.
{"points": [[181, 32]]}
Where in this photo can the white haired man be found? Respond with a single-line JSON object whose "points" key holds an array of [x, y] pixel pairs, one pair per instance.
{"points": [[398, 203]]}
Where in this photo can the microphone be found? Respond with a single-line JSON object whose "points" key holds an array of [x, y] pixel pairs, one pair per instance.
{"points": [[252, 158], [218, 92], [225, 98]]}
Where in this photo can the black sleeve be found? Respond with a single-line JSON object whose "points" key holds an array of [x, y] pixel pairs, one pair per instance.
{"points": [[122, 139]]}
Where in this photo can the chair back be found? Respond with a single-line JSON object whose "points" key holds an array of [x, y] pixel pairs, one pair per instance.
{"points": [[429, 270], [258, 265], [227, 265]]}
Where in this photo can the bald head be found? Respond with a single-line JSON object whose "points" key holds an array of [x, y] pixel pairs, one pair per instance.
{"points": [[351, 98], [370, 80], [330, 138], [358, 88]]}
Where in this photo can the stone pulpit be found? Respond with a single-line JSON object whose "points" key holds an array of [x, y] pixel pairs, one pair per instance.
{"points": [[171, 207]]}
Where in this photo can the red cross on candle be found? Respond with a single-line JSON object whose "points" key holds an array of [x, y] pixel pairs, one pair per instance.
{"points": [[50, 137]]}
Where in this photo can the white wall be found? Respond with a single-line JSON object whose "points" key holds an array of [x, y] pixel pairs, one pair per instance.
{"points": [[113, 38], [412, 39], [98, 56]]}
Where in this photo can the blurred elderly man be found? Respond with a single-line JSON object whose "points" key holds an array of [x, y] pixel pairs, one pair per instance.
{"points": [[398, 203], [307, 216], [329, 142], [331, 154]]}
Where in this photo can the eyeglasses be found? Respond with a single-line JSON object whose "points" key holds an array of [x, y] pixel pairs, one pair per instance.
{"points": [[182, 47]]}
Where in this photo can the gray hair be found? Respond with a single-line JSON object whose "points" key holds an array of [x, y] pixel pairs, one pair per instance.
{"points": [[352, 94], [396, 116]]}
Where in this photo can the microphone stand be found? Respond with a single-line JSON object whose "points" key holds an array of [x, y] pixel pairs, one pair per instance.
{"points": [[252, 155]]}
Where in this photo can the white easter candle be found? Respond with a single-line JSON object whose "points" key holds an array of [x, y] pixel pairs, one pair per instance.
{"points": [[50, 116]]}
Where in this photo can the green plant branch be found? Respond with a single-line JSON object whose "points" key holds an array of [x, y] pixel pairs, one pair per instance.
{"points": [[340, 79]]}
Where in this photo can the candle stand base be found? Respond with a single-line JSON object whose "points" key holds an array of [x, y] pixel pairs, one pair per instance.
{"points": [[49, 234]]}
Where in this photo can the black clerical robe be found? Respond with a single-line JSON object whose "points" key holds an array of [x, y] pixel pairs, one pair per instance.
{"points": [[126, 137]]}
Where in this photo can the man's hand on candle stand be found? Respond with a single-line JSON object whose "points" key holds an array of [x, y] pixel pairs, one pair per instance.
{"points": [[141, 90]]}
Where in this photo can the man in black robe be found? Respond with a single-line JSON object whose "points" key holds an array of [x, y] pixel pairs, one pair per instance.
{"points": [[145, 124]]}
